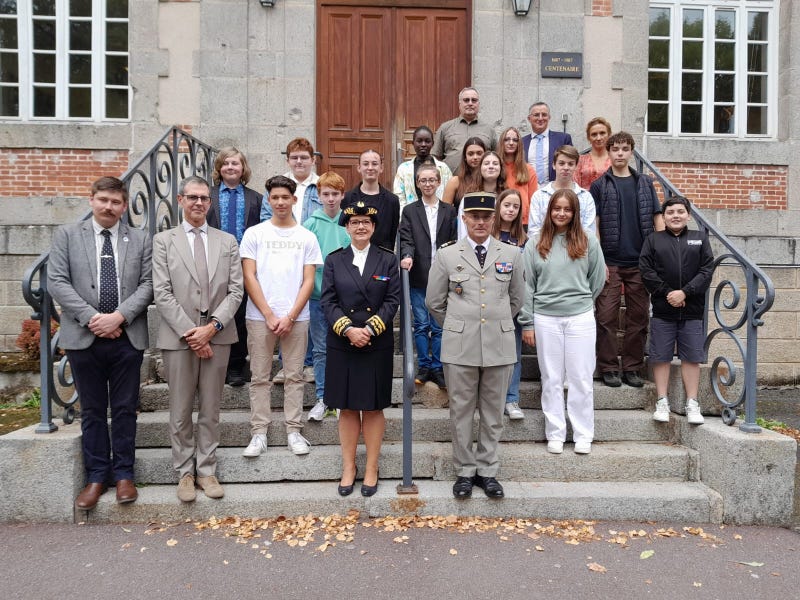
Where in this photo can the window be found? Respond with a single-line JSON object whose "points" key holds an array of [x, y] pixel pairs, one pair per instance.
{"points": [[64, 60], [712, 68]]}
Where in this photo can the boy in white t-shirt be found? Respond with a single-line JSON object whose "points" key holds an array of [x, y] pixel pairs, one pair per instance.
{"points": [[279, 259]]}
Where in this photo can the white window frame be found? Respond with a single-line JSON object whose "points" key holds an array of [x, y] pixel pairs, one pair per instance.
{"points": [[62, 54], [674, 102]]}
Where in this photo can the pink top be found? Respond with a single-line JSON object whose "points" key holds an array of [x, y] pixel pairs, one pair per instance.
{"points": [[585, 173]]}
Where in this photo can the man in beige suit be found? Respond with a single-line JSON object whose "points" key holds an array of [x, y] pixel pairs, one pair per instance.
{"points": [[475, 288], [197, 282]]}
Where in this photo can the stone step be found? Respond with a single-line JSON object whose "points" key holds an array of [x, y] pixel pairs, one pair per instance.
{"points": [[610, 461], [155, 396], [615, 501], [429, 425]]}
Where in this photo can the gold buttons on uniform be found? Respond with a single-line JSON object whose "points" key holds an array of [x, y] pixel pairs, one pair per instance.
{"points": [[483, 291], [483, 320], [369, 309], [483, 306]]}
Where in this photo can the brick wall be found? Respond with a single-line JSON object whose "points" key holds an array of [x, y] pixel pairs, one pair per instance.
{"points": [[601, 8], [734, 186], [57, 172]]}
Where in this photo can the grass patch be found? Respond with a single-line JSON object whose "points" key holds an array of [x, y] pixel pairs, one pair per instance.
{"points": [[779, 427], [17, 417]]}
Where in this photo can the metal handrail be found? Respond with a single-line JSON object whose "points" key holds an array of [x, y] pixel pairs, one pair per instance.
{"points": [[152, 184], [759, 295], [406, 318]]}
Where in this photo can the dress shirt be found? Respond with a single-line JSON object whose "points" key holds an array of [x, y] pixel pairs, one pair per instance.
{"points": [[187, 227], [360, 258], [227, 195], [432, 212], [98, 249], [545, 152]]}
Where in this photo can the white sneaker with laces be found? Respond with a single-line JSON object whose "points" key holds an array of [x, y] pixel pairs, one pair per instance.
{"points": [[513, 411], [280, 377], [317, 412], [308, 375], [662, 411], [583, 447], [693, 414], [298, 444], [256, 446], [555, 447]]}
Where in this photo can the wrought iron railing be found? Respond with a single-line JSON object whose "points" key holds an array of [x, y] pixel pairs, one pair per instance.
{"points": [[152, 183], [738, 308]]}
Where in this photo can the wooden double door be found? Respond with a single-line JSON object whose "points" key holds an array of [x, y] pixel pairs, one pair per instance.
{"points": [[383, 69]]}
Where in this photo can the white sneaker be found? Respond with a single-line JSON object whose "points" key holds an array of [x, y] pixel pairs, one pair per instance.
{"points": [[513, 411], [298, 444], [583, 447], [693, 414], [554, 447], [308, 375], [280, 377], [317, 412], [257, 445], [662, 411]]}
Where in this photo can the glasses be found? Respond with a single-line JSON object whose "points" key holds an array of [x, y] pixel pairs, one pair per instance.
{"points": [[430, 181], [299, 158], [360, 222], [470, 100], [192, 198]]}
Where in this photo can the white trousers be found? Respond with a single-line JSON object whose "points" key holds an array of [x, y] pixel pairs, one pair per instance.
{"points": [[566, 345]]}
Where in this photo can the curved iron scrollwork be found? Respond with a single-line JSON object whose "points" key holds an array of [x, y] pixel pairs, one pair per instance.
{"points": [[152, 184], [738, 305]]}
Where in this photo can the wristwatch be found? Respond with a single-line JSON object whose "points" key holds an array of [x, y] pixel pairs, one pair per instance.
{"points": [[217, 324]]}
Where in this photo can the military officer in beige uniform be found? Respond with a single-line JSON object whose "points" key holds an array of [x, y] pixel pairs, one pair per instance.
{"points": [[475, 288]]}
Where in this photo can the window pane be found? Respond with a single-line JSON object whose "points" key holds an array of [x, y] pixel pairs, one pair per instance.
{"points": [[724, 119], [80, 102], [658, 86], [117, 9], [659, 22], [9, 67], [725, 25], [117, 70], [80, 8], [80, 35], [724, 56], [692, 88], [757, 120], [693, 23], [693, 55], [9, 101], [44, 102], [757, 26], [44, 7], [80, 68], [757, 58], [757, 88], [117, 104], [117, 37], [657, 118], [44, 68], [44, 34], [8, 7], [691, 118], [8, 34], [723, 88], [659, 54]]}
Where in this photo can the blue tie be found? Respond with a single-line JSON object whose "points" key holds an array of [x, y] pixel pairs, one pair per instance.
{"points": [[109, 293], [542, 173], [231, 224]]}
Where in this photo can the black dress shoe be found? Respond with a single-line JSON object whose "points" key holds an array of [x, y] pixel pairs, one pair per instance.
{"points": [[369, 490], [423, 375], [346, 490], [632, 379], [489, 485], [611, 379], [235, 378], [437, 377], [462, 488]]}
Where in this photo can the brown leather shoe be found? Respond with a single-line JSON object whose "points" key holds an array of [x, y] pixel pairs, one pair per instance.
{"points": [[210, 486], [89, 496], [126, 491]]}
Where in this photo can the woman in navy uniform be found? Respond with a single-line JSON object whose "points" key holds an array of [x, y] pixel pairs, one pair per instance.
{"points": [[360, 296]]}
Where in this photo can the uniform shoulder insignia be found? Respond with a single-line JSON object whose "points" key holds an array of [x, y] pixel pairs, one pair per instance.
{"points": [[335, 251], [385, 249], [446, 244]]}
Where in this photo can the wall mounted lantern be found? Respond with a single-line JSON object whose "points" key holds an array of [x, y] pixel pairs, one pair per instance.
{"points": [[269, 3], [521, 7]]}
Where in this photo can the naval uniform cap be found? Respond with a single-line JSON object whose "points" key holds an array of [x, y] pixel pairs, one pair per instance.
{"points": [[478, 201]]}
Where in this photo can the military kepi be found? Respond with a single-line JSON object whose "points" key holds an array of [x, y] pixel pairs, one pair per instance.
{"points": [[478, 201]]}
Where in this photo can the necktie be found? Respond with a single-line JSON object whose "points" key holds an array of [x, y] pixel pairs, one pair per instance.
{"points": [[231, 224], [109, 293], [542, 173], [480, 252], [202, 267]]}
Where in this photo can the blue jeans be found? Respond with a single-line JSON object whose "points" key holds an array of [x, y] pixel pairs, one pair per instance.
{"points": [[427, 333], [317, 331], [513, 385]]}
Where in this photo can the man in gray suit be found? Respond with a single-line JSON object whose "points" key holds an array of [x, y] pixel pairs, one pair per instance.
{"points": [[99, 272], [197, 280], [475, 288]]}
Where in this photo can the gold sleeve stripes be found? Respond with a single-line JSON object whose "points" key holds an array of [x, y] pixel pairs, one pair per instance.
{"points": [[377, 324], [340, 325]]}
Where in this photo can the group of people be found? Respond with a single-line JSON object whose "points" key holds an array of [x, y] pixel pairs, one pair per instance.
{"points": [[501, 247]]}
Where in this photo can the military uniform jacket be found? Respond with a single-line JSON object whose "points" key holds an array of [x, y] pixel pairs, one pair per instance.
{"points": [[349, 298], [476, 305]]}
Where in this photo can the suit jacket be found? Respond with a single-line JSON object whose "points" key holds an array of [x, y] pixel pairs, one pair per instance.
{"points": [[72, 280], [415, 237], [177, 289], [351, 298], [555, 140], [252, 208], [476, 305]]}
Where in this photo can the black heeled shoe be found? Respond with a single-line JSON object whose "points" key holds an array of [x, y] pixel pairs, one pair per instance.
{"points": [[369, 490], [346, 490]]}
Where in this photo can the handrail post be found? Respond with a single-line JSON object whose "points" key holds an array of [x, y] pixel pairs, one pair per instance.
{"points": [[407, 486], [46, 424], [749, 425]]}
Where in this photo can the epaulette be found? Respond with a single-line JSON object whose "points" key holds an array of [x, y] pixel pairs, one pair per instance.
{"points": [[335, 251], [385, 249], [446, 244]]}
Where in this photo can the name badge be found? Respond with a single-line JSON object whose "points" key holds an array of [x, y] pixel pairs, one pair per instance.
{"points": [[504, 267], [694, 242]]}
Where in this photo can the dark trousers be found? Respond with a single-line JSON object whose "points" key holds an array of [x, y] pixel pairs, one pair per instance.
{"points": [[637, 309], [108, 373], [238, 355]]}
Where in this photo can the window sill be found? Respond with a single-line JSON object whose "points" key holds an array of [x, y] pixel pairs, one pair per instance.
{"points": [[63, 134]]}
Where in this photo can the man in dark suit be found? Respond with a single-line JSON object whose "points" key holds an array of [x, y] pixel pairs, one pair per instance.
{"points": [[100, 273], [234, 208], [540, 146], [425, 226], [197, 281]]}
